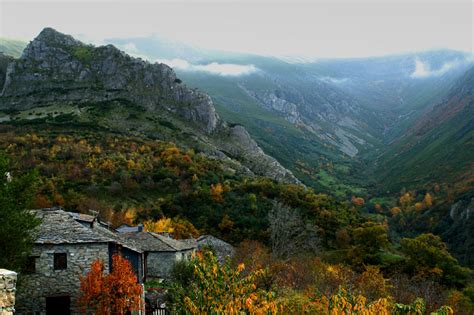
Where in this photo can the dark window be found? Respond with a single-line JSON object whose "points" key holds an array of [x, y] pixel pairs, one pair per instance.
{"points": [[30, 266], [59, 305], [60, 261]]}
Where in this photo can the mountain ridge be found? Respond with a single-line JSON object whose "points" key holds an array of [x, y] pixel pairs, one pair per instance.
{"points": [[57, 69]]}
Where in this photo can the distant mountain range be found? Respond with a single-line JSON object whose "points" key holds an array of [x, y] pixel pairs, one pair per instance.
{"points": [[325, 120]]}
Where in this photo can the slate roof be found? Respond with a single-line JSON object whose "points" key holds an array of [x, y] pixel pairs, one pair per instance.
{"points": [[61, 227], [82, 217], [154, 242], [221, 248], [125, 228]]}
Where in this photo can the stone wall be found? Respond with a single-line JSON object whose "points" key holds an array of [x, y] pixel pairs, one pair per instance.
{"points": [[160, 264], [34, 288], [7, 292]]}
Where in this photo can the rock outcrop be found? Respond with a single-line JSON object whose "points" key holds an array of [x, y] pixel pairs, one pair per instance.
{"points": [[57, 69]]}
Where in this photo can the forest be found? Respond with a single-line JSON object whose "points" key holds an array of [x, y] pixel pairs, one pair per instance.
{"points": [[297, 250]]}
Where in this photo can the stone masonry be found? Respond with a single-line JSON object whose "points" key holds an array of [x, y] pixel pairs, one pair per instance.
{"points": [[7, 292], [46, 281]]}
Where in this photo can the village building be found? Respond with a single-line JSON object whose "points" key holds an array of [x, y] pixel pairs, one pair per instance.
{"points": [[221, 249], [65, 247], [161, 251]]}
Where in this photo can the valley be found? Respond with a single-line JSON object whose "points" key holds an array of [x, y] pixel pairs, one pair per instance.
{"points": [[364, 163]]}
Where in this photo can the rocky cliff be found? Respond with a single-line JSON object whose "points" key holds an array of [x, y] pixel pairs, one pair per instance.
{"points": [[57, 69]]}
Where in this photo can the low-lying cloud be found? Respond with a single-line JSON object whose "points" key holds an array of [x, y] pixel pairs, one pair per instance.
{"points": [[423, 69], [334, 80], [222, 69]]}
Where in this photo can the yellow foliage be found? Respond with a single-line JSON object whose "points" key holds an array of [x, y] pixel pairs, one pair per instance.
{"points": [[131, 164], [220, 289], [216, 192], [428, 200], [405, 198], [162, 225], [129, 215]]}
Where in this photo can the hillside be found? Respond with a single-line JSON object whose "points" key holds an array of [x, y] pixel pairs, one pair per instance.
{"points": [[326, 120], [12, 47], [438, 148], [65, 79]]}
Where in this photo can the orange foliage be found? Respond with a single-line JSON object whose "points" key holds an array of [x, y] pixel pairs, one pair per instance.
{"points": [[115, 293], [419, 206], [358, 201], [41, 201], [395, 211]]}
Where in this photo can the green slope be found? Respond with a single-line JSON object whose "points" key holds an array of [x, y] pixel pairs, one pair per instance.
{"points": [[12, 47]]}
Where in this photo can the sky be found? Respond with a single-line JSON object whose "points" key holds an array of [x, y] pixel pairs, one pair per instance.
{"points": [[334, 29]]}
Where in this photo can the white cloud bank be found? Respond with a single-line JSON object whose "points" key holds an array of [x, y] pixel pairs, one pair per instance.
{"points": [[222, 69], [423, 69]]}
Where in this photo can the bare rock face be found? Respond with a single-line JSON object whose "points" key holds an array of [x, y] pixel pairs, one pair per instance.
{"points": [[57, 68], [238, 143]]}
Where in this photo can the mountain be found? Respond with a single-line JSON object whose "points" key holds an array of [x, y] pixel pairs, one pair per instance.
{"points": [[326, 120], [11, 47], [438, 147], [60, 76]]}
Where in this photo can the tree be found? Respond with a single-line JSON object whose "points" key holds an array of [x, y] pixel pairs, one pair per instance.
{"points": [[116, 293], [358, 201], [221, 289], [216, 193], [428, 200], [369, 240], [162, 225], [428, 257], [289, 234], [17, 223]]}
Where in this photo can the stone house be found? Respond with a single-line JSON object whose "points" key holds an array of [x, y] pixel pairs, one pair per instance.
{"points": [[65, 247], [161, 251], [221, 249]]}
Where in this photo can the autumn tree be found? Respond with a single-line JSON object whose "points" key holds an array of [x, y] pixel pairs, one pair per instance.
{"points": [[163, 225], [179, 227], [357, 201], [216, 192], [428, 200], [221, 289], [116, 293]]}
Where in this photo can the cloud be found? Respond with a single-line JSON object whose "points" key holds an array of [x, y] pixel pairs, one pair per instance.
{"points": [[423, 69], [130, 48], [222, 69], [334, 80]]}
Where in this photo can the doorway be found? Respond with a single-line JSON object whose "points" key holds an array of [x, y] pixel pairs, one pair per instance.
{"points": [[58, 305]]}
